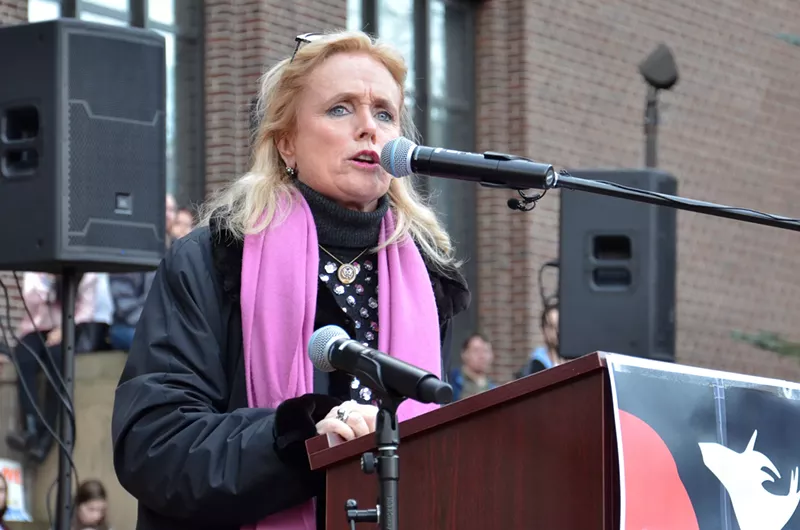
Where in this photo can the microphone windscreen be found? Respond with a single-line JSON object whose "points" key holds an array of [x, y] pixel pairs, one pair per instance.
{"points": [[320, 344], [396, 157]]}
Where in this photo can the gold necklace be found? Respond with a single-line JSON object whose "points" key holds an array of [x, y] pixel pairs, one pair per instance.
{"points": [[347, 272]]}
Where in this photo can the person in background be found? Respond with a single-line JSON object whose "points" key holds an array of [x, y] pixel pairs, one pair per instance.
{"points": [[546, 356], [472, 377], [3, 501], [40, 336], [129, 289], [184, 223], [94, 335], [171, 213], [90, 507]]}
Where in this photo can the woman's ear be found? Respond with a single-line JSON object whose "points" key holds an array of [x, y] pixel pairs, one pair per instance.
{"points": [[286, 149]]}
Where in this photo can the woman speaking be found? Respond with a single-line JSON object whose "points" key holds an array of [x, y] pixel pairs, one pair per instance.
{"points": [[218, 395]]}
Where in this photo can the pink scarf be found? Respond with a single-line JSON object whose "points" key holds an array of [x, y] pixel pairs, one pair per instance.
{"points": [[278, 301]]}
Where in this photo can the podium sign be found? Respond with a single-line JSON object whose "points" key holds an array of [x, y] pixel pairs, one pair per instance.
{"points": [[702, 449]]}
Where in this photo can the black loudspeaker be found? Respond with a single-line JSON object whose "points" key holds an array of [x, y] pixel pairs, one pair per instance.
{"points": [[82, 147], [617, 269]]}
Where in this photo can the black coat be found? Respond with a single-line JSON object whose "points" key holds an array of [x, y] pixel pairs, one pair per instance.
{"points": [[186, 445]]}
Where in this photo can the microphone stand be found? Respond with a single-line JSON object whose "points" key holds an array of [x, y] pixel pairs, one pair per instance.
{"points": [[64, 505], [387, 465]]}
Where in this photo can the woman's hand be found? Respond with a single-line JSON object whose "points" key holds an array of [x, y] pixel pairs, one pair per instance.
{"points": [[54, 337], [349, 420]]}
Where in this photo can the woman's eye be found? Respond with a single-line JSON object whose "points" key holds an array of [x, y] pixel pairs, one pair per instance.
{"points": [[338, 110], [386, 116]]}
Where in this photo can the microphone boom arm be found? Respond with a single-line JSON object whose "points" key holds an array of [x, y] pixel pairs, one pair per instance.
{"points": [[563, 180]]}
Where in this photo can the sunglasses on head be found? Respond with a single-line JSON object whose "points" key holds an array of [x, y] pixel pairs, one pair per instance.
{"points": [[305, 38]]}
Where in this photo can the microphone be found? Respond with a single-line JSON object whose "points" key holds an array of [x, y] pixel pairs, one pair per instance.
{"points": [[401, 157], [331, 348]]}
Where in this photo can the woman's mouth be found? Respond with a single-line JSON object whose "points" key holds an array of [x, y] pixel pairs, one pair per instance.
{"points": [[366, 160], [363, 164]]}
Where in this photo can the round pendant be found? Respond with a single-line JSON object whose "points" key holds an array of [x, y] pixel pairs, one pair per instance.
{"points": [[347, 273]]}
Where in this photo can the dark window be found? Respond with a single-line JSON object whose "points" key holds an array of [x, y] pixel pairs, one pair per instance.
{"points": [[437, 39]]}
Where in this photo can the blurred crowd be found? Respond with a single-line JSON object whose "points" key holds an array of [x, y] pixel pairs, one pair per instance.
{"points": [[90, 506], [477, 357]]}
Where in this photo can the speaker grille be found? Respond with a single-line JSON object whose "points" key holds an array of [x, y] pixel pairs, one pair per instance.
{"points": [[116, 127], [116, 76], [98, 173]]}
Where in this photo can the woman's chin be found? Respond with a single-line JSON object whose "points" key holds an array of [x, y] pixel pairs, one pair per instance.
{"points": [[364, 193]]}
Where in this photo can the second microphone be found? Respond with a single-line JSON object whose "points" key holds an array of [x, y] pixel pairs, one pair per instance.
{"points": [[331, 348]]}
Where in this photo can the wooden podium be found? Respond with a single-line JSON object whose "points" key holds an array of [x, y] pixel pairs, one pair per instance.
{"points": [[536, 453]]}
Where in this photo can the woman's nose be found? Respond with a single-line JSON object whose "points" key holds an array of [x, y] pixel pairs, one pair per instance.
{"points": [[367, 128]]}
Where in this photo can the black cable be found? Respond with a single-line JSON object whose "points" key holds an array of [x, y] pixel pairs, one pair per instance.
{"points": [[56, 369], [525, 204], [49, 496], [65, 399]]}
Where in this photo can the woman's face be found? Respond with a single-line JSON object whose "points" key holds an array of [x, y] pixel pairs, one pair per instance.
{"points": [[349, 109], [92, 512]]}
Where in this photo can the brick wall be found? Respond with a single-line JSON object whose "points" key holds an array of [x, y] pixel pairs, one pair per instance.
{"points": [[506, 251], [559, 81], [243, 39], [11, 12]]}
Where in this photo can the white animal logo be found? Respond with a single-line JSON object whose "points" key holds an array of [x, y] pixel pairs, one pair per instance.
{"points": [[743, 475]]}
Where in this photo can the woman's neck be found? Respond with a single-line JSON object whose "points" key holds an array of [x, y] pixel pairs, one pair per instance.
{"points": [[342, 227]]}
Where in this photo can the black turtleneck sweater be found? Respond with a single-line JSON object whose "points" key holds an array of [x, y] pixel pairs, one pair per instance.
{"points": [[348, 236]]}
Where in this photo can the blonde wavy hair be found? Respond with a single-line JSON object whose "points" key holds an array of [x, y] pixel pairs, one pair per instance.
{"points": [[249, 204]]}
